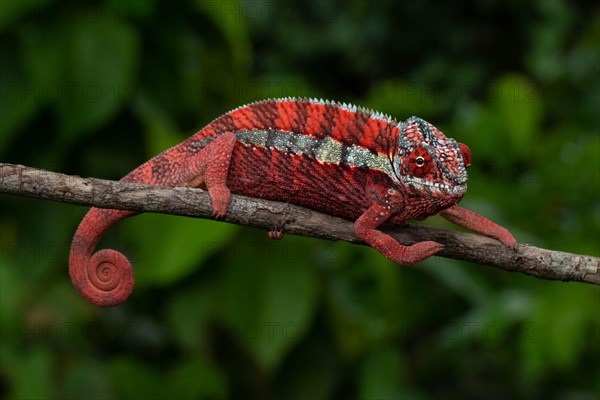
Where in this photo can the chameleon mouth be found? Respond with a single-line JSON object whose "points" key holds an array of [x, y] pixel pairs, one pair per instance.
{"points": [[422, 184]]}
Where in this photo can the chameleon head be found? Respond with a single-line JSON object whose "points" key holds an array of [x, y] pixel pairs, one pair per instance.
{"points": [[431, 162]]}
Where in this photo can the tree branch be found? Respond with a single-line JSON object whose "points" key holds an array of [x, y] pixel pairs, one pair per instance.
{"points": [[269, 215]]}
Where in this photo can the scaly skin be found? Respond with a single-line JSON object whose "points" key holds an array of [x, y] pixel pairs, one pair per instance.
{"points": [[335, 158]]}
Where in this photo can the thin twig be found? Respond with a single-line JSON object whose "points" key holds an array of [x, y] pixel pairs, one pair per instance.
{"points": [[269, 215]]}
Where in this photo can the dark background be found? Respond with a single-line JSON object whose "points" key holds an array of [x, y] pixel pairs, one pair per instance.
{"points": [[220, 311]]}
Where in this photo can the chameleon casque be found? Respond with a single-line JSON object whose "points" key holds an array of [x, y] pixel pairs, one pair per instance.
{"points": [[334, 158]]}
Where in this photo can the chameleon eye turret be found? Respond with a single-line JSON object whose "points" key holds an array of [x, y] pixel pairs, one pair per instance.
{"points": [[420, 162]]}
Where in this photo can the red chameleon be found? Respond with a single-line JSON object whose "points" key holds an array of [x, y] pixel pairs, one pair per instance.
{"points": [[334, 158]]}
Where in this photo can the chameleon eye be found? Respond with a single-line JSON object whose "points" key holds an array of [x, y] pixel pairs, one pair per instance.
{"points": [[419, 162]]}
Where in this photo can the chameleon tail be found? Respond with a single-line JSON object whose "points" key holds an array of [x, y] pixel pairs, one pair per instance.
{"points": [[104, 278]]}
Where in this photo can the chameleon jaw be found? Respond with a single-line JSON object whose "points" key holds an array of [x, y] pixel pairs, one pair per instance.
{"points": [[422, 184]]}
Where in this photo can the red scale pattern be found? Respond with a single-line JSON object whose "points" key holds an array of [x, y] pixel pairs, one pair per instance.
{"points": [[369, 197]]}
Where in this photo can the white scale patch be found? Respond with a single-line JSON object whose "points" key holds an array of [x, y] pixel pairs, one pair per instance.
{"points": [[325, 150], [329, 151]]}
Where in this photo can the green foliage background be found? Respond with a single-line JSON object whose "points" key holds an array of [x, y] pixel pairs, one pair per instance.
{"points": [[220, 311]]}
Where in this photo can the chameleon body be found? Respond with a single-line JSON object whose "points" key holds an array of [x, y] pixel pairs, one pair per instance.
{"points": [[334, 158]]}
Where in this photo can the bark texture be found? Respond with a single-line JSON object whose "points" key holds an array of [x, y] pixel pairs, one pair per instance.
{"points": [[274, 216]]}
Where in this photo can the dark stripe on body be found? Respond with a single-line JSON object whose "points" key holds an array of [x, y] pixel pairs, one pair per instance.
{"points": [[328, 121], [225, 124], [265, 114], [301, 120]]}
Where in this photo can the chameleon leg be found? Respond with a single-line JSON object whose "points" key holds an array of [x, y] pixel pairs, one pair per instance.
{"points": [[365, 225], [477, 223], [210, 167]]}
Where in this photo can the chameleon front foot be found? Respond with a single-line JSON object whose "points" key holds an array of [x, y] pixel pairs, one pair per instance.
{"points": [[220, 198], [389, 247], [400, 254], [407, 255]]}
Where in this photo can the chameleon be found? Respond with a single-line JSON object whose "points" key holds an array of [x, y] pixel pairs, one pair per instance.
{"points": [[336, 158]]}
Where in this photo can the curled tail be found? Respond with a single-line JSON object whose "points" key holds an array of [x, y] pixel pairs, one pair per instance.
{"points": [[104, 278]]}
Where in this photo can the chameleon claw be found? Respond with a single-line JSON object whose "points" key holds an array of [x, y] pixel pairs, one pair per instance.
{"points": [[508, 239], [418, 252], [276, 234], [504, 236], [220, 199]]}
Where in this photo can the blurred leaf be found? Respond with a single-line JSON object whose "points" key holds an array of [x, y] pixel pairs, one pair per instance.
{"points": [[17, 104], [9, 287], [197, 379], [123, 9], [86, 379], [519, 106], [348, 307], [188, 316], [101, 59], [458, 279], [276, 86], [136, 380], [25, 91], [275, 299], [487, 321], [367, 300], [35, 365], [167, 247], [563, 213], [400, 99], [548, 341], [13, 11], [230, 17], [484, 134], [159, 128], [547, 36], [42, 59], [310, 362], [356, 303], [63, 301], [382, 376]]}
